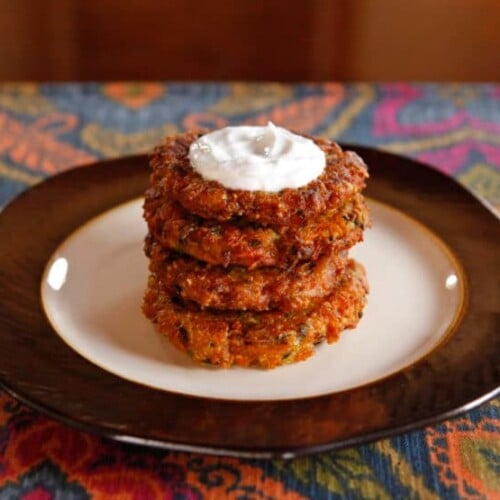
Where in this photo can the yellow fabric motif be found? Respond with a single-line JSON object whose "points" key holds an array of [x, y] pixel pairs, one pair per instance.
{"points": [[448, 139], [403, 470], [473, 452], [365, 96], [17, 175], [24, 99], [245, 98], [340, 472], [110, 143], [485, 181]]}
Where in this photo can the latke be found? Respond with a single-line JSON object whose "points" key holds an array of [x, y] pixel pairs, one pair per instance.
{"points": [[237, 288], [266, 339], [173, 176], [246, 244]]}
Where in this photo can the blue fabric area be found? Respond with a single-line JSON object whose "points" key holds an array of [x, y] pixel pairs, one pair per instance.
{"points": [[44, 481], [90, 105], [9, 189]]}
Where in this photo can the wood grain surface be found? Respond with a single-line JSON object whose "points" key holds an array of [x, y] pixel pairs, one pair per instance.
{"points": [[293, 40]]}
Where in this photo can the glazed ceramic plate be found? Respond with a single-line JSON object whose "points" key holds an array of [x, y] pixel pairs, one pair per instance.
{"points": [[93, 285], [76, 346]]}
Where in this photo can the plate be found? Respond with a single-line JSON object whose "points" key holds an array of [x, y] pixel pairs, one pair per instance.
{"points": [[93, 285], [72, 274]]}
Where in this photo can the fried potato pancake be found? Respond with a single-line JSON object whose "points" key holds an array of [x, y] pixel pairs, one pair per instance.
{"points": [[174, 177], [249, 245], [263, 339], [237, 288]]}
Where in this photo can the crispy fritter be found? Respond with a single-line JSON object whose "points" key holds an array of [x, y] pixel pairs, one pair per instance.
{"points": [[266, 339], [173, 176], [246, 244], [238, 289]]}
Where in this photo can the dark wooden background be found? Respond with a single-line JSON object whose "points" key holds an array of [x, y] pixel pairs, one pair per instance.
{"points": [[289, 40]]}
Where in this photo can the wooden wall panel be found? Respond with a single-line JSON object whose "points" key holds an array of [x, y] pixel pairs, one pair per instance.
{"points": [[195, 40], [37, 40], [287, 40], [423, 40]]}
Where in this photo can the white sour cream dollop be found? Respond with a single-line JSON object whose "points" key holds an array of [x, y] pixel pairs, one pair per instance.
{"points": [[257, 158]]}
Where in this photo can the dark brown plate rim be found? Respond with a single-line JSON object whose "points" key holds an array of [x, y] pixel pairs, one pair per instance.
{"points": [[38, 368]]}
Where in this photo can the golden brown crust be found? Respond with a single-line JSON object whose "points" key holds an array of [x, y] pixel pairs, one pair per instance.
{"points": [[253, 278], [173, 176], [237, 288], [249, 245], [264, 339]]}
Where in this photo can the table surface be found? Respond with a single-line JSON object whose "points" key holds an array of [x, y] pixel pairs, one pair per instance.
{"points": [[45, 129]]}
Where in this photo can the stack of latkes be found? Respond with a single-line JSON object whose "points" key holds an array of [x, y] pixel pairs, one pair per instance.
{"points": [[253, 278]]}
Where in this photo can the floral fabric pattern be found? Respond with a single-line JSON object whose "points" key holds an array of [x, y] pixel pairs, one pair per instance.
{"points": [[45, 129]]}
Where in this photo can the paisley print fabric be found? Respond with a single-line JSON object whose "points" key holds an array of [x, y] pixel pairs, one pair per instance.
{"points": [[45, 129]]}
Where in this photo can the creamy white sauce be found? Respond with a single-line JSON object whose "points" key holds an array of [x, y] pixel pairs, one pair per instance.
{"points": [[257, 158]]}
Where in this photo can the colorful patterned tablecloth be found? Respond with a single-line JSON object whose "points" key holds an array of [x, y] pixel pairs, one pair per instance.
{"points": [[45, 129]]}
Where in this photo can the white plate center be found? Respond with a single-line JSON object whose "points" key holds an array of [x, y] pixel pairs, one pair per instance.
{"points": [[93, 286]]}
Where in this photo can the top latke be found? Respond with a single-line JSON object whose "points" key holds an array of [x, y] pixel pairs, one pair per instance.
{"points": [[344, 175]]}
